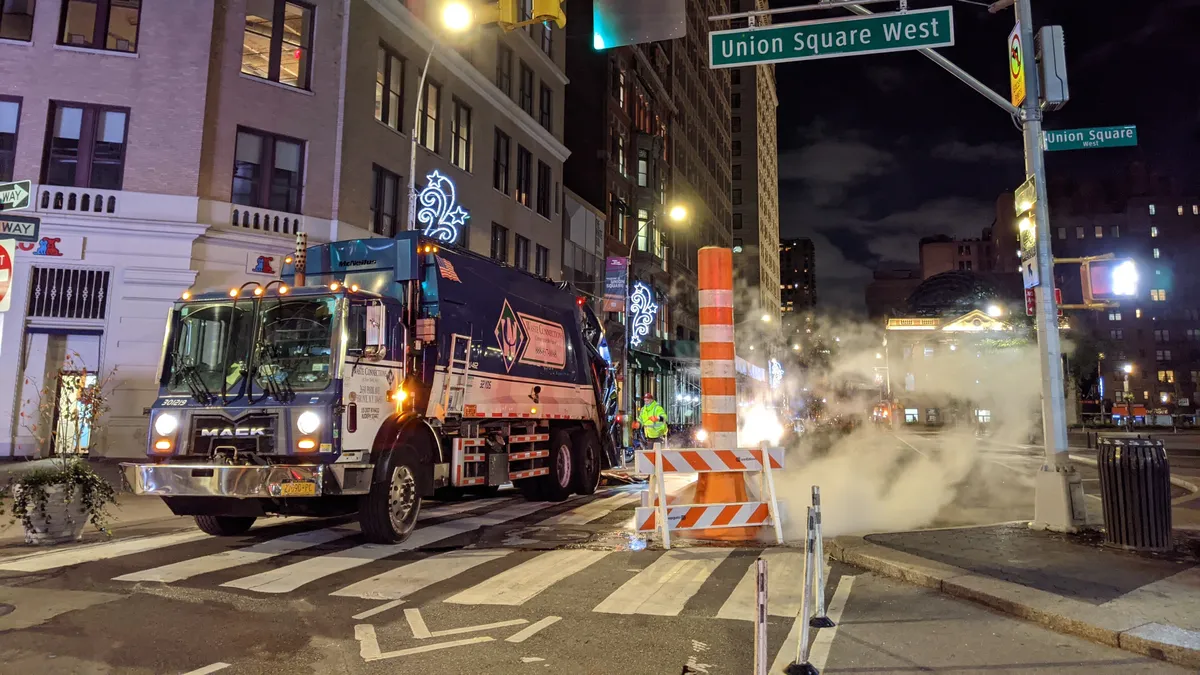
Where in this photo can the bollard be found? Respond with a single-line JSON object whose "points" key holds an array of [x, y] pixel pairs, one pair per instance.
{"points": [[760, 619], [819, 618], [801, 666]]}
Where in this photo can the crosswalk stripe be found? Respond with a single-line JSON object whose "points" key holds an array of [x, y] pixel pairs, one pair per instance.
{"points": [[442, 510], [517, 585], [663, 588], [216, 562], [593, 510], [403, 581], [290, 577], [113, 549], [785, 580]]}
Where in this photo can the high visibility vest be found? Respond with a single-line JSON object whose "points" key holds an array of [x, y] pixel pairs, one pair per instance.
{"points": [[653, 419]]}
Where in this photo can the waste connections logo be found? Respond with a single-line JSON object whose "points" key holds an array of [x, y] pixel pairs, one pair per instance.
{"points": [[511, 336]]}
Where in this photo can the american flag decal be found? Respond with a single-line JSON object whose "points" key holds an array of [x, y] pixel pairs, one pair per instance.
{"points": [[447, 270]]}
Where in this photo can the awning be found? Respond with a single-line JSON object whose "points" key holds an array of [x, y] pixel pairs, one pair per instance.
{"points": [[645, 362]]}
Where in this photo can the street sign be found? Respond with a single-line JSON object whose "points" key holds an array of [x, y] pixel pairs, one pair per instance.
{"points": [[21, 228], [616, 284], [1095, 137], [1031, 301], [1025, 207], [829, 38], [7, 251], [15, 196], [1030, 273], [1016, 65]]}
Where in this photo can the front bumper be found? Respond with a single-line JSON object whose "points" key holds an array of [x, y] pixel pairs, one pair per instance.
{"points": [[247, 482]]}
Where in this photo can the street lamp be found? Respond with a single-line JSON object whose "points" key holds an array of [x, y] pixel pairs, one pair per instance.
{"points": [[766, 318], [995, 311], [457, 17], [678, 213]]}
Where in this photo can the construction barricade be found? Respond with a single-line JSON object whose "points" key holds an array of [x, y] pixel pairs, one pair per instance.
{"points": [[655, 515]]}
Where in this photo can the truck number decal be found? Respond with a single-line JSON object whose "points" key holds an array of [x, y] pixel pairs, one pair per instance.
{"points": [[174, 402], [485, 384]]}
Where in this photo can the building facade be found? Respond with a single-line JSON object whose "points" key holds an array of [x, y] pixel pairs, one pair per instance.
{"points": [[183, 150], [755, 192], [943, 254], [797, 276]]}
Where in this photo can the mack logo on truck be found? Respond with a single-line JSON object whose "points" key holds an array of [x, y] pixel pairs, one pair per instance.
{"points": [[233, 432]]}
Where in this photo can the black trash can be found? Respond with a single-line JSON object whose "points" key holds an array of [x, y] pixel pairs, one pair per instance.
{"points": [[1135, 485]]}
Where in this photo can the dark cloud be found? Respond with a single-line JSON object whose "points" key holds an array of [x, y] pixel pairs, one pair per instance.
{"points": [[958, 151]]}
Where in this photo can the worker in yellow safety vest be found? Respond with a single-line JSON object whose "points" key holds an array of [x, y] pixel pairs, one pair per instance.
{"points": [[653, 420]]}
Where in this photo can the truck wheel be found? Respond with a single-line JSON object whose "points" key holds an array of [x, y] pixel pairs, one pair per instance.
{"points": [[224, 526], [388, 513], [561, 482], [587, 462]]}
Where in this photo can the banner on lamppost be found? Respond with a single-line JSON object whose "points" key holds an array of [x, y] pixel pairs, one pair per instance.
{"points": [[616, 283]]}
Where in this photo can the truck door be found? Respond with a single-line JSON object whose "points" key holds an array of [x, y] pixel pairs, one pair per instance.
{"points": [[373, 371]]}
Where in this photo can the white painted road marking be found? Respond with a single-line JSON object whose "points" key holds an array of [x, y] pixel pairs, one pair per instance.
{"points": [[526, 633], [368, 644], [824, 640], [416, 623], [40, 562], [382, 608], [594, 510], [403, 581], [443, 510], [216, 562], [785, 580], [208, 669], [787, 651], [291, 577], [663, 588], [517, 585]]}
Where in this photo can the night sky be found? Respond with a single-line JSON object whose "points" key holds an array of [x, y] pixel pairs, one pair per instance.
{"points": [[879, 151]]}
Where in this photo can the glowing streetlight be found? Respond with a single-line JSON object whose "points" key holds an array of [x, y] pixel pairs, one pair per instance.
{"points": [[795, 348], [1128, 368], [457, 16], [678, 213], [766, 318], [995, 311], [878, 355]]}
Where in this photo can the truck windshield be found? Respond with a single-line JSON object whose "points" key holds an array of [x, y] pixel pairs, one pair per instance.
{"points": [[214, 342]]}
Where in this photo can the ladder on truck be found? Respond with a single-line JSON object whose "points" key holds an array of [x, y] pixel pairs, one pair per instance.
{"points": [[454, 385]]}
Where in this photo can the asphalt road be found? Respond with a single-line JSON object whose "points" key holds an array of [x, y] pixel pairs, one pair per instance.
{"points": [[498, 586]]}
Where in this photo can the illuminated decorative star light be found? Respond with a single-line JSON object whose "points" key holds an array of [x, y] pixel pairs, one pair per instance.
{"points": [[776, 373], [641, 313], [440, 213]]}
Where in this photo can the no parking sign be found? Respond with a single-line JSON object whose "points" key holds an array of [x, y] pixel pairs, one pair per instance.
{"points": [[7, 250]]}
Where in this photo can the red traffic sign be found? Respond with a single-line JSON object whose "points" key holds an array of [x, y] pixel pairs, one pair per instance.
{"points": [[1031, 301], [6, 272]]}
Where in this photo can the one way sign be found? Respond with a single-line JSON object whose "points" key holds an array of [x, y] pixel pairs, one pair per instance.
{"points": [[15, 196]]}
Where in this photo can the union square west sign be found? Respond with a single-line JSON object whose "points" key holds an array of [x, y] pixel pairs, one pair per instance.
{"points": [[829, 38]]}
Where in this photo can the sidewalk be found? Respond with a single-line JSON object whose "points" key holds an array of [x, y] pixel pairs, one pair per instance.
{"points": [[1069, 583]]}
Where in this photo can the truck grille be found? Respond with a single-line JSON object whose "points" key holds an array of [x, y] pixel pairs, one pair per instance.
{"points": [[252, 433]]}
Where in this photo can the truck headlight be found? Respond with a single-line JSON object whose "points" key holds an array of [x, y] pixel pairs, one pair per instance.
{"points": [[166, 424], [308, 422]]}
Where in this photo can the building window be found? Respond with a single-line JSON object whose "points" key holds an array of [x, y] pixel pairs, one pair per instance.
{"points": [[525, 91], [86, 146], [1099, 232], [521, 253], [1162, 355], [266, 171], [385, 202], [524, 175], [1079, 233], [504, 60], [460, 132], [1156, 254], [543, 190], [737, 172], [1062, 233], [546, 112], [499, 243], [1179, 210], [389, 89], [618, 85], [1114, 316], [97, 24], [16, 20], [275, 42], [548, 40], [1158, 294], [735, 101], [1152, 209], [643, 217], [431, 105], [541, 261], [10, 116], [737, 221], [736, 124], [1116, 334], [737, 197], [1162, 336], [618, 151], [1196, 209], [1153, 231], [643, 168], [737, 148], [735, 76], [1116, 231], [1137, 313], [501, 148]]}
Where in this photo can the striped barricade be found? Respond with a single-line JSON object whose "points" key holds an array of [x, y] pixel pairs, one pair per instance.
{"points": [[657, 516]]}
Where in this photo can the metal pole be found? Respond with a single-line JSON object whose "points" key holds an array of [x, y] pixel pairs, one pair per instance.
{"points": [[1058, 502], [760, 619], [412, 150], [819, 618], [801, 664]]}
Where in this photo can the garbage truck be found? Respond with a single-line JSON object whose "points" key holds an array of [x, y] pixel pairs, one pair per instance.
{"points": [[372, 374]]}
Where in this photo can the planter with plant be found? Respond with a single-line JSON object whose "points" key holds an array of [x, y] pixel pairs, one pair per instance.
{"points": [[54, 504]]}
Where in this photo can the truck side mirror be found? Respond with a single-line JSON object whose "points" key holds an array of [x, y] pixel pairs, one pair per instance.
{"points": [[375, 342]]}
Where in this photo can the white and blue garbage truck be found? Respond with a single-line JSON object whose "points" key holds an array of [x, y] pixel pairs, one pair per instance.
{"points": [[370, 375]]}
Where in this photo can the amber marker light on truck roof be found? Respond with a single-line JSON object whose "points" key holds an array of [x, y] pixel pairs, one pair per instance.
{"points": [[233, 292], [258, 290], [334, 286], [187, 295], [283, 289], [353, 288]]}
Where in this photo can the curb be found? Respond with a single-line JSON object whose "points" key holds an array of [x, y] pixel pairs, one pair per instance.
{"points": [[1130, 632], [1177, 482]]}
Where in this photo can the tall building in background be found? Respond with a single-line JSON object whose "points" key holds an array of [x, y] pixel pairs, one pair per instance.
{"points": [[281, 117], [797, 276], [941, 253], [755, 195], [646, 133]]}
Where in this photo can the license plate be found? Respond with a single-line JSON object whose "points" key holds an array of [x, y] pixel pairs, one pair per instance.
{"points": [[302, 489]]}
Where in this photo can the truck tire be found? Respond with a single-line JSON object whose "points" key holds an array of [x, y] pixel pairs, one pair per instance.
{"points": [[557, 486], [224, 526], [388, 513], [587, 461]]}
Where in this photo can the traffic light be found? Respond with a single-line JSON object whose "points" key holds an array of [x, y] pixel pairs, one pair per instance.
{"points": [[616, 23], [1109, 280], [550, 11], [505, 12]]}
